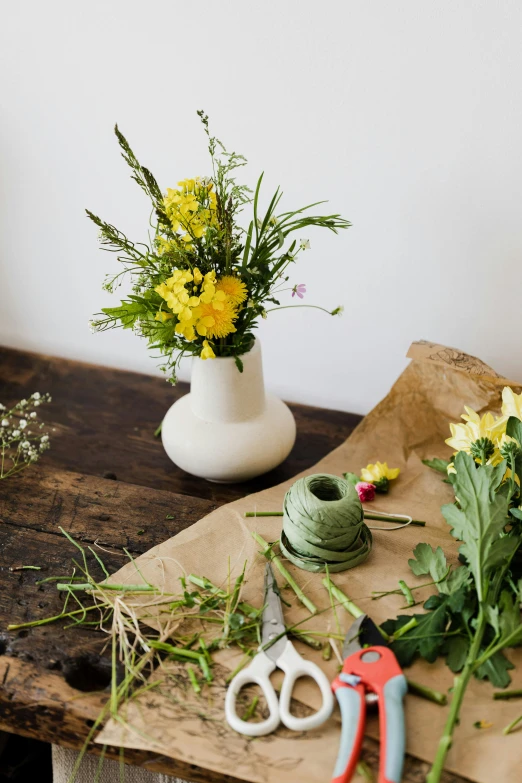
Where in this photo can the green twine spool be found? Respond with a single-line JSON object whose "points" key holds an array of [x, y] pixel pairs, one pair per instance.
{"points": [[323, 524]]}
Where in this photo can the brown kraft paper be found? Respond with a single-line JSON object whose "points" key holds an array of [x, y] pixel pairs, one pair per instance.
{"points": [[409, 425]]}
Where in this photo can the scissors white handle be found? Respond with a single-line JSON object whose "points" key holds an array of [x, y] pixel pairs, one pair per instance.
{"points": [[258, 672], [294, 666]]}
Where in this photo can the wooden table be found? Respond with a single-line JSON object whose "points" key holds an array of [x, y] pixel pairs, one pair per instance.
{"points": [[105, 479]]}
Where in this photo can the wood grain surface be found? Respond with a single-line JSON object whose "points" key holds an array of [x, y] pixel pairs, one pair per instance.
{"points": [[107, 482]]}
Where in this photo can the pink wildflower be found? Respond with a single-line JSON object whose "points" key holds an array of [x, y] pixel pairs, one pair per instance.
{"points": [[366, 491], [300, 290]]}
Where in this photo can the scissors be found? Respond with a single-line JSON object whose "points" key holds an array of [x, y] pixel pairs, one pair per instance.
{"points": [[281, 654], [370, 674]]}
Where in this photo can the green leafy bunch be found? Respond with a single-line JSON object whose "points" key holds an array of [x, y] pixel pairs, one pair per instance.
{"points": [[475, 614], [258, 254]]}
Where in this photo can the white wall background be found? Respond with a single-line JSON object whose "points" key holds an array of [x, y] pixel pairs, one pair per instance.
{"points": [[406, 115]]}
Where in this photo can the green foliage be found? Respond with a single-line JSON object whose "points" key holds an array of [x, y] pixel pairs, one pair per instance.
{"points": [[480, 521], [440, 465], [429, 561], [475, 613]]}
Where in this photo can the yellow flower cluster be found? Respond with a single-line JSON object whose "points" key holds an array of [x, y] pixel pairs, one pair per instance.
{"points": [[203, 306], [191, 208], [380, 470], [489, 427]]}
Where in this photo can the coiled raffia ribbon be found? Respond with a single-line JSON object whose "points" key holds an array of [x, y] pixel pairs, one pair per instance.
{"points": [[323, 524]]}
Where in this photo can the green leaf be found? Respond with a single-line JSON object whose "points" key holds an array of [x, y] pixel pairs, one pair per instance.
{"points": [[440, 465], [456, 650], [516, 512], [495, 669], [509, 620], [457, 579], [236, 621], [351, 478], [127, 313], [429, 561], [457, 598], [514, 428], [239, 363], [426, 638], [481, 519]]}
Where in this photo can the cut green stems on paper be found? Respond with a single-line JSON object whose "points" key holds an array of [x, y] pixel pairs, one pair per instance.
{"points": [[506, 695], [267, 550]]}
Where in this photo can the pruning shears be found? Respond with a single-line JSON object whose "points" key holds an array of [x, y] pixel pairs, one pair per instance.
{"points": [[370, 674]]}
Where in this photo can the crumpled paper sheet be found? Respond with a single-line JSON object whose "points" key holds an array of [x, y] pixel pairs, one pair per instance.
{"points": [[410, 424]]}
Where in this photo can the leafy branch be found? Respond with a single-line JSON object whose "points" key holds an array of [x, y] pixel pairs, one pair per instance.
{"points": [[476, 614]]}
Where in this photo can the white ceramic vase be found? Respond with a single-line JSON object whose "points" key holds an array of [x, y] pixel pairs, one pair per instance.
{"points": [[228, 429]]}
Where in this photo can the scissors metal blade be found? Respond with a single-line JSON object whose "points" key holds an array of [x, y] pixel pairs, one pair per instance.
{"points": [[273, 620], [362, 633]]}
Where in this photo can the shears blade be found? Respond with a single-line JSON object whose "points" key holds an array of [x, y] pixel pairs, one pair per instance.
{"points": [[362, 633], [273, 621]]}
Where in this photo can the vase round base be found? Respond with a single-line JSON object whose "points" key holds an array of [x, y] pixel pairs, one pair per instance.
{"points": [[228, 452]]}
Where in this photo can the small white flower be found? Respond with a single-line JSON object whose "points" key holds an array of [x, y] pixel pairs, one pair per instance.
{"points": [[5, 423], [36, 403], [44, 438], [23, 403], [16, 433], [36, 396], [2, 407], [32, 415], [304, 244], [23, 424], [26, 444]]}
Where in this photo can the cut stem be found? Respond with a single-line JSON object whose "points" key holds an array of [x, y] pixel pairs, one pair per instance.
{"points": [[267, 551], [401, 631], [47, 620], [500, 695], [514, 723], [90, 586], [427, 693], [350, 607], [461, 683]]}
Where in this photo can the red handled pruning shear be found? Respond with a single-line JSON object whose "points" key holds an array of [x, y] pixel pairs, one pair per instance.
{"points": [[370, 674]]}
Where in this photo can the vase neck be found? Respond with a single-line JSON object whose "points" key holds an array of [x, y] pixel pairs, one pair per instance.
{"points": [[220, 393]]}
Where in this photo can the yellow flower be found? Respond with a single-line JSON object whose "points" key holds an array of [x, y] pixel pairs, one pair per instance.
{"points": [[192, 208], [380, 475], [215, 322], [198, 277], [511, 403], [162, 316], [234, 288], [380, 470], [475, 428], [164, 245], [207, 352], [186, 328]]}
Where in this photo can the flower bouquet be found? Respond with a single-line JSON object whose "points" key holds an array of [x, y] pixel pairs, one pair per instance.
{"points": [[199, 287], [202, 282]]}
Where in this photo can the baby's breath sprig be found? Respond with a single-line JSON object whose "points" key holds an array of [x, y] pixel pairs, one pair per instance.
{"points": [[23, 438]]}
